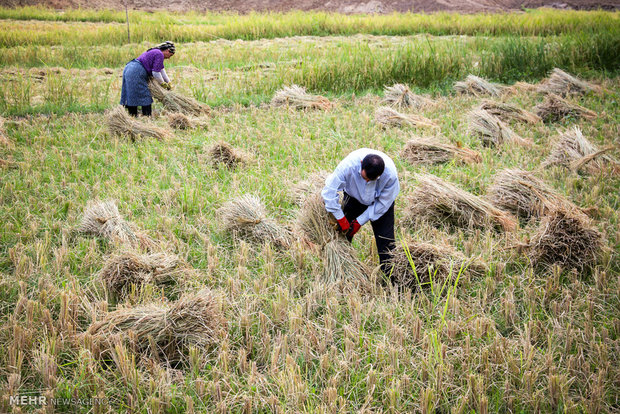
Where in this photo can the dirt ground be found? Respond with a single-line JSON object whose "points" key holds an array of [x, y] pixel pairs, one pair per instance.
{"points": [[342, 6]]}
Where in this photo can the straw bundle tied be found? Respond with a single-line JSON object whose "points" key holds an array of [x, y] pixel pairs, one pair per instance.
{"points": [[175, 102], [421, 150], [474, 85], [555, 108], [4, 139], [442, 203], [525, 195], [222, 153], [386, 116], [163, 330], [177, 120], [339, 258], [575, 151], [122, 124], [506, 112], [122, 272], [563, 84], [312, 184], [400, 96], [566, 239], [102, 219], [492, 131], [430, 261], [247, 216], [296, 97]]}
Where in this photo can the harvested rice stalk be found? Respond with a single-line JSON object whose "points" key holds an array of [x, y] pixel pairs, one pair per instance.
{"points": [[175, 102], [339, 258], [442, 203], [222, 153], [195, 320], [492, 131], [387, 116], [296, 97], [123, 271], [474, 85], [555, 108], [506, 112], [566, 239], [102, 219], [178, 120], [574, 150], [563, 84], [523, 87], [400, 96], [122, 124], [525, 195], [430, 261], [421, 150], [247, 216], [312, 184], [4, 139]]}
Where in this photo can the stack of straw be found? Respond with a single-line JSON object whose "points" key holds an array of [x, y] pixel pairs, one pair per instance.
{"points": [[312, 184], [175, 102], [387, 116], [442, 203], [563, 84], [177, 120], [296, 97], [122, 124], [555, 108], [474, 85], [222, 153], [400, 96], [492, 131], [4, 139], [506, 112], [247, 216], [420, 150]]}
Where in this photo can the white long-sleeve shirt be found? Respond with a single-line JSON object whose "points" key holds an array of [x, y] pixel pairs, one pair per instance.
{"points": [[378, 195], [161, 76]]}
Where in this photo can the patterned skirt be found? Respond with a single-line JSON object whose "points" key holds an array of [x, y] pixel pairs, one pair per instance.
{"points": [[135, 90]]}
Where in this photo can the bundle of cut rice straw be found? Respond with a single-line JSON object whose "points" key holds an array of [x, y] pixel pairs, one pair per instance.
{"points": [[177, 120], [554, 108], [386, 116], [312, 184], [442, 203], [419, 150], [170, 330], [474, 85], [4, 139], [175, 102], [525, 195], [506, 112], [247, 216], [563, 84], [122, 124], [573, 150], [222, 153], [492, 131], [400, 96], [296, 97]]}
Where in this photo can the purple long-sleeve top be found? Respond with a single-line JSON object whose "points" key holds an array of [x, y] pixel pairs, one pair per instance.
{"points": [[152, 60]]}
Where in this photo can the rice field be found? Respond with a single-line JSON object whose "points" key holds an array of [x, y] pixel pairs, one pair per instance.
{"points": [[218, 315]]}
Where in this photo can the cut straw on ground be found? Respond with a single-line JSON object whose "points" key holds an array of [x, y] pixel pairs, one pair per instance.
{"points": [[313, 183], [566, 239], [4, 139], [442, 203], [102, 219], [575, 151], [120, 123], [424, 150], [492, 131], [400, 96], [564, 84], [163, 330], [507, 112], [554, 108], [525, 195], [386, 116], [296, 97], [222, 153], [176, 102], [177, 120], [247, 217], [131, 270], [476, 86]]}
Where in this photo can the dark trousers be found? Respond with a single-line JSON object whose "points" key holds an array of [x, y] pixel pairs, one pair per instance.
{"points": [[133, 110], [383, 228]]}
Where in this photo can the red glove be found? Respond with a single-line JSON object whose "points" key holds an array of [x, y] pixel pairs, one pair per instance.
{"points": [[343, 224], [355, 227]]}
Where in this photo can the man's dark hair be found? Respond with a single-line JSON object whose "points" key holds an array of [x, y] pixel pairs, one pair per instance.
{"points": [[373, 165]]}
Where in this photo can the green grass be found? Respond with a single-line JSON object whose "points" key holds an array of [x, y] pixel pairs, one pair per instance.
{"points": [[515, 339]]}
